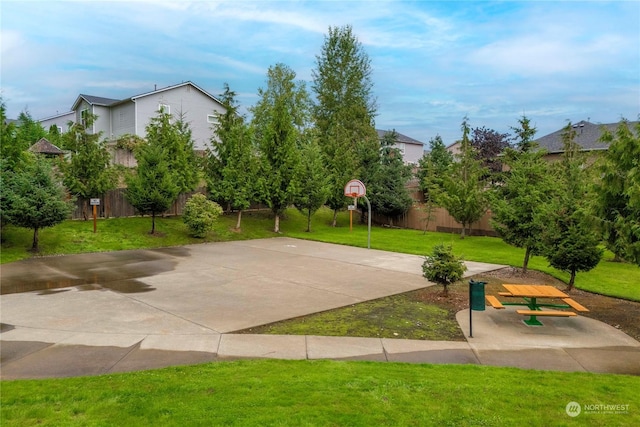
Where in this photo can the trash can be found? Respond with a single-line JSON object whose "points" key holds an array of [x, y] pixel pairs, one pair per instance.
{"points": [[476, 295]]}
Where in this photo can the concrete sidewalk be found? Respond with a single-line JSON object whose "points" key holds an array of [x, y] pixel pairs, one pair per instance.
{"points": [[92, 314]]}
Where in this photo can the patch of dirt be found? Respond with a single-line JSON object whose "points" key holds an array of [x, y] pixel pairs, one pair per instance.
{"points": [[621, 314]]}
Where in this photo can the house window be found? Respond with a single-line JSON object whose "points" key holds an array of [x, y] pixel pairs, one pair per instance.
{"points": [[84, 115], [213, 119], [164, 108], [400, 146], [59, 129]]}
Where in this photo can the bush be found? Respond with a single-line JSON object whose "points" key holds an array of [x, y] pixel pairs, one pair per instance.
{"points": [[200, 215], [442, 266]]}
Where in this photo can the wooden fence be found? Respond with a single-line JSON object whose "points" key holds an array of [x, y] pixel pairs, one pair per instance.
{"points": [[114, 205]]}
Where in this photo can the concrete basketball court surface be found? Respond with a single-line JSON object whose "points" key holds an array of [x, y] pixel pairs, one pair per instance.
{"points": [[141, 309]]}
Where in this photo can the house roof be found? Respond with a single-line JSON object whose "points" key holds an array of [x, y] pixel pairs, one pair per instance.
{"points": [[43, 146], [401, 138], [105, 102], [587, 136]]}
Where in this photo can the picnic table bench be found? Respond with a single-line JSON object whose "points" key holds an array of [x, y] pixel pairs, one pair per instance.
{"points": [[530, 294]]}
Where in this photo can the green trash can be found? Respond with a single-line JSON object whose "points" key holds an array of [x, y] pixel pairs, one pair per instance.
{"points": [[476, 295]]}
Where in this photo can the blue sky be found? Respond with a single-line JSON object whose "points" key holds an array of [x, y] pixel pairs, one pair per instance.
{"points": [[433, 62]]}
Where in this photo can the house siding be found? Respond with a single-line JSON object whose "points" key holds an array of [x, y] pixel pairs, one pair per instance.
{"points": [[413, 153], [103, 121], [198, 106], [123, 120], [61, 120]]}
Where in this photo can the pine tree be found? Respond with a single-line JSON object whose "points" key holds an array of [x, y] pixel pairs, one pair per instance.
{"points": [[152, 188], [278, 120]]}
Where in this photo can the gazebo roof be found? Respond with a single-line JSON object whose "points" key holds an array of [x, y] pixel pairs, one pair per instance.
{"points": [[43, 146]]}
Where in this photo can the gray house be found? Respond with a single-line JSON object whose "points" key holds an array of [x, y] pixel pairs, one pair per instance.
{"points": [[587, 136], [411, 149], [118, 117]]}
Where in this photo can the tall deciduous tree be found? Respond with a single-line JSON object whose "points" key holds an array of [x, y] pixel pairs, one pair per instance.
{"points": [[518, 204], [571, 243], [231, 166], [345, 109], [278, 119], [152, 188], [617, 192], [34, 197], [463, 194], [488, 145], [314, 182], [88, 173]]}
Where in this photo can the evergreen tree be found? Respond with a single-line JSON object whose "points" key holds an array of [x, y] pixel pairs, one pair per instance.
{"points": [[389, 194], [518, 204], [89, 172], [174, 137], [463, 194], [571, 244], [152, 188], [278, 120], [345, 110], [28, 131], [617, 193], [34, 197], [232, 165], [432, 167], [314, 182]]}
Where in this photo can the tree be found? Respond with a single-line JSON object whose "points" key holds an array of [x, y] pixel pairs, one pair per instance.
{"points": [[345, 110], [488, 145], [314, 182], [518, 204], [432, 167], [34, 197], [175, 140], [617, 193], [28, 131], [463, 194], [200, 215], [278, 119], [231, 165], [89, 172], [443, 267], [571, 243], [12, 148], [152, 188], [389, 194]]}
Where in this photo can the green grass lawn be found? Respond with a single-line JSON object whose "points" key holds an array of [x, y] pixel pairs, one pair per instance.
{"points": [[608, 278], [321, 393]]}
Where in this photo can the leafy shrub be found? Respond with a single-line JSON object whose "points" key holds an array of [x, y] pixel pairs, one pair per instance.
{"points": [[442, 266], [200, 215]]}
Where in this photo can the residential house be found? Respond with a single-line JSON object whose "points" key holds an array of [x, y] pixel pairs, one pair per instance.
{"points": [[411, 149], [587, 135], [130, 116]]}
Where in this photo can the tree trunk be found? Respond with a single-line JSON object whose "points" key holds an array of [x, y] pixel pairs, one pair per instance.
{"points": [[34, 246], [571, 280], [335, 218], [525, 264], [309, 221], [84, 210], [276, 228], [463, 231], [239, 219], [153, 223]]}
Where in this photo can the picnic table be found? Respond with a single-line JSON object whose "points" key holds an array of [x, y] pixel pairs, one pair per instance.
{"points": [[530, 294]]}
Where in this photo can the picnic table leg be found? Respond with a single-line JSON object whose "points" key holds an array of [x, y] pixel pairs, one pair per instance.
{"points": [[533, 320]]}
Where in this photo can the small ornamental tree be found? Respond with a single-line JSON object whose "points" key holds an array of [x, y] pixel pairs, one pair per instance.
{"points": [[314, 182], [443, 267], [200, 215]]}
